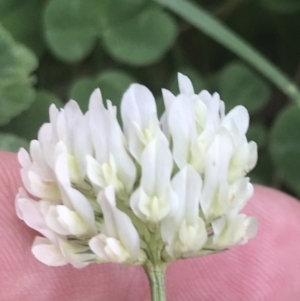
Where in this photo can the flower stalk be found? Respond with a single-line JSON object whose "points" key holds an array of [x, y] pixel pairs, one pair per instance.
{"points": [[156, 277]]}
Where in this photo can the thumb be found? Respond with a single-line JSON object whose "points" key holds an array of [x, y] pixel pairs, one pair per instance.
{"points": [[267, 268]]}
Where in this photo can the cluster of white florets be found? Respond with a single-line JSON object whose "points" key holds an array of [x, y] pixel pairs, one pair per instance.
{"points": [[152, 190]]}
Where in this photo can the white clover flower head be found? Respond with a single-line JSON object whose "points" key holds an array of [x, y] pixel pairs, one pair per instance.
{"points": [[152, 191]]}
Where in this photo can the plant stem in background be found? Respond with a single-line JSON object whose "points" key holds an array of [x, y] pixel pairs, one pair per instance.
{"points": [[201, 19], [156, 277]]}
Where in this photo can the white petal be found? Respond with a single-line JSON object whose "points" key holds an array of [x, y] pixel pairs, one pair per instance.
{"points": [[251, 224], [24, 158], [98, 125], [222, 109], [252, 155], [215, 188], [83, 145], [185, 85], [239, 161], [168, 98], [47, 253], [73, 118], [94, 172], [168, 204], [140, 122], [116, 251], [164, 124], [37, 156], [30, 213], [111, 108], [95, 101], [61, 129], [233, 229], [115, 137], [51, 218], [50, 128], [118, 224], [72, 221], [239, 194], [157, 165], [201, 234], [51, 152], [105, 199], [182, 128], [154, 209], [62, 170], [127, 233], [25, 180], [135, 203], [97, 245], [82, 207], [72, 111], [213, 103], [44, 189], [110, 195], [126, 169], [63, 178], [168, 232], [240, 116], [53, 113], [192, 236], [45, 134], [206, 97], [218, 225], [36, 152], [201, 113], [21, 195], [138, 105], [187, 185]]}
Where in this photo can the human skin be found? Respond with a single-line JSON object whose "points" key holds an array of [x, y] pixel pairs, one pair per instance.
{"points": [[267, 268]]}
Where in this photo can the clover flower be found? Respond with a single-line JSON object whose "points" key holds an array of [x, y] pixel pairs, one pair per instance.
{"points": [[146, 193]]}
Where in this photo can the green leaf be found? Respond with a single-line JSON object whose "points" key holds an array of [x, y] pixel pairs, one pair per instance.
{"points": [[71, 27], [240, 85], [285, 146], [112, 84], [23, 19], [126, 9], [12, 143], [28, 123], [282, 6], [197, 80], [258, 133], [143, 39], [16, 64]]}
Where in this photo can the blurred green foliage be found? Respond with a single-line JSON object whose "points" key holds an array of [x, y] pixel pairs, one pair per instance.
{"points": [[54, 50]]}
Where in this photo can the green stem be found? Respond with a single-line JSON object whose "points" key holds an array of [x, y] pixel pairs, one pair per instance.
{"points": [[156, 277], [201, 19]]}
